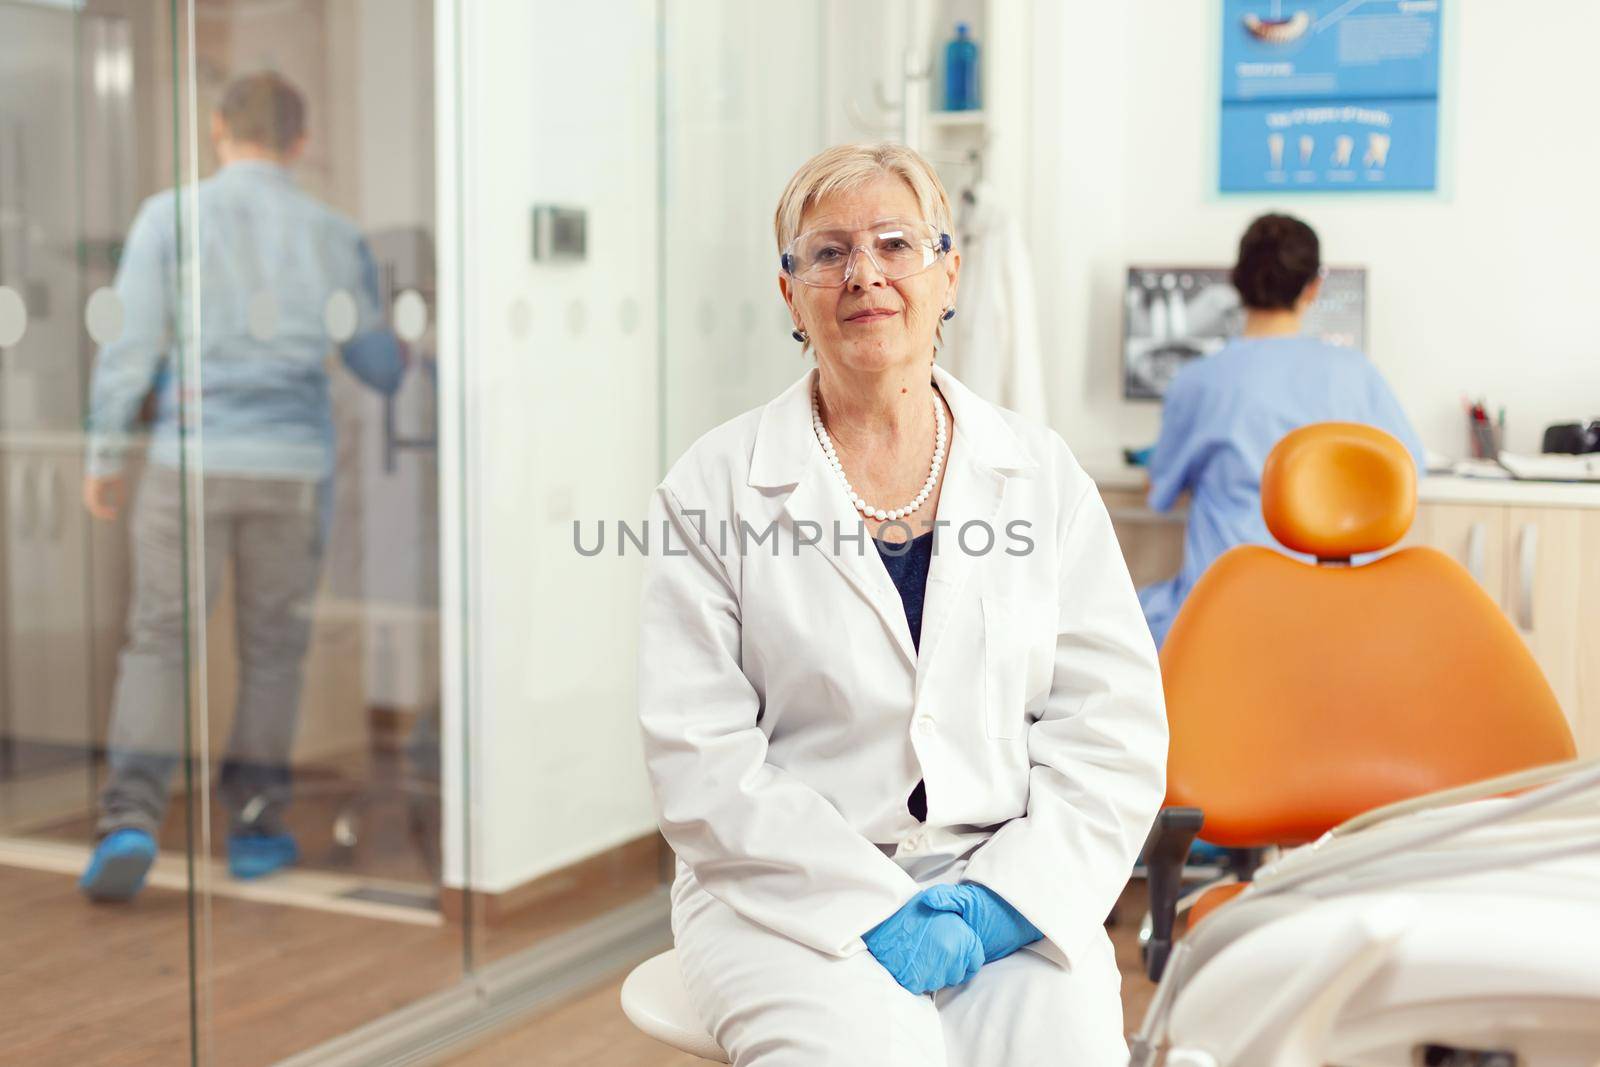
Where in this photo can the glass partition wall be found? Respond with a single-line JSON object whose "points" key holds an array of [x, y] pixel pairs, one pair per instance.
{"points": [[90, 109], [221, 729], [329, 330], [313, 503]]}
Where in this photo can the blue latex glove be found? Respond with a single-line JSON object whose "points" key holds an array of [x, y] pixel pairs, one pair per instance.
{"points": [[1001, 928], [924, 946]]}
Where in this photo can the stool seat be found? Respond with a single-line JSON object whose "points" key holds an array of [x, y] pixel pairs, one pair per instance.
{"points": [[654, 1000]]}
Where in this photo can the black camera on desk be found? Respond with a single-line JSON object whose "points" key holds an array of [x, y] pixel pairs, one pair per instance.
{"points": [[1573, 438]]}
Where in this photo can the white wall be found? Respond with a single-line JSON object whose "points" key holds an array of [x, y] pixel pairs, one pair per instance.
{"points": [[1485, 288], [1480, 288], [737, 125], [559, 422]]}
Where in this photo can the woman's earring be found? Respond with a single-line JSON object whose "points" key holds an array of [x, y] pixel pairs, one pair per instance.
{"points": [[799, 335], [949, 313]]}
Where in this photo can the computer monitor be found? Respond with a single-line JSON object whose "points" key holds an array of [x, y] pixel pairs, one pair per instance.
{"points": [[1173, 315]]}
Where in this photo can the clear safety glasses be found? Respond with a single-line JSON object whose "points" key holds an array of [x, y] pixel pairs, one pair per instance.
{"points": [[899, 248]]}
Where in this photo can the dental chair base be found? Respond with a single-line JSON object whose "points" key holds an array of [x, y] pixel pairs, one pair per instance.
{"points": [[1457, 935], [1395, 980]]}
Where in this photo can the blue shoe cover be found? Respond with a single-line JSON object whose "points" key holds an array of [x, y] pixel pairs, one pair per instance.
{"points": [[119, 864], [255, 855]]}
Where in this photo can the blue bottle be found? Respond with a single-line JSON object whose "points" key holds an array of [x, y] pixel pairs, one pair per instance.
{"points": [[961, 71]]}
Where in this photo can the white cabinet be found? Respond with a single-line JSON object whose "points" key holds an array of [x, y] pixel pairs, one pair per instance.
{"points": [[1541, 564], [1151, 541], [48, 636], [1586, 640], [1543, 596], [1472, 535], [64, 593]]}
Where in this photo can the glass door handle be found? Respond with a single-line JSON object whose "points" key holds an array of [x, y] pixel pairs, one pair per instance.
{"points": [[50, 509], [394, 441], [23, 499]]}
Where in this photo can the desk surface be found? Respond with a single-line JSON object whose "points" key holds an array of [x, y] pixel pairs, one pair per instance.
{"points": [[1435, 488]]}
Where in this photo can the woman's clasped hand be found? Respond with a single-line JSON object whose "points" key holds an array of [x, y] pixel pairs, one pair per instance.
{"points": [[944, 934]]}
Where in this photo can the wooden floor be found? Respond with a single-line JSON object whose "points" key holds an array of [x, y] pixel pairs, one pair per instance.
{"points": [[388, 846], [586, 1031], [590, 1030], [108, 985]]}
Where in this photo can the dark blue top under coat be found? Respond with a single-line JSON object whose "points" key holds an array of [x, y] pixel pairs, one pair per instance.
{"points": [[907, 563]]}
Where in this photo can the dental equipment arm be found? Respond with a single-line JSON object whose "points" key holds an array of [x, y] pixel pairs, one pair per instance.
{"points": [[1297, 874], [1488, 787]]}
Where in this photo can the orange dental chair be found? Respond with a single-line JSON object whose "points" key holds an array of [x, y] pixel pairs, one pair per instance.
{"points": [[1302, 694]]}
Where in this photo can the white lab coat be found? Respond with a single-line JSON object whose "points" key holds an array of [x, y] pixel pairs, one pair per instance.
{"points": [[786, 716], [993, 342]]}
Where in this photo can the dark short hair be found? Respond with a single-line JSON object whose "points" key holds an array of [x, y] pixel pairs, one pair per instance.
{"points": [[1278, 257], [263, 109]]}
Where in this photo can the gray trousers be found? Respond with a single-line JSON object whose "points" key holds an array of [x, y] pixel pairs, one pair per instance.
{"points": [[270, 529]]}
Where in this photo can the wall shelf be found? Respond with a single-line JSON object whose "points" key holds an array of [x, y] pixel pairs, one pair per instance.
{"points": [[955, 119]]}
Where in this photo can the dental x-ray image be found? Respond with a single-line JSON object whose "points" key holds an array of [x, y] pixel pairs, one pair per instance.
{"points": [[1173, 315]]}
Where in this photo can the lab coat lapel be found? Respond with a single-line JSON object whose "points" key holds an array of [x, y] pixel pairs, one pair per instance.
{"points": [[820, 499], [985, 453], [971, 492], [786, 452]]}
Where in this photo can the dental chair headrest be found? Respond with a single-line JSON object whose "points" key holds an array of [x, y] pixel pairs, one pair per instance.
{"points": [[1334, 489]]}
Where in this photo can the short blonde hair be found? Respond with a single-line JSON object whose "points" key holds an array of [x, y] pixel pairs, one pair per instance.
{"points": [[850, 166]]}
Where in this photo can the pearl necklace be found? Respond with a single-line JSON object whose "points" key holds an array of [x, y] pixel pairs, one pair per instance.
{"points": [[855, 498]]}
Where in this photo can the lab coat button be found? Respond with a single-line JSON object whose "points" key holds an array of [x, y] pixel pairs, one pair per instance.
{"points": [[926, 724], [912, 843]]}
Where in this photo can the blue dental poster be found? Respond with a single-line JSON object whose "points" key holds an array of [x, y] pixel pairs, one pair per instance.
{"points": [[1329, 95]]}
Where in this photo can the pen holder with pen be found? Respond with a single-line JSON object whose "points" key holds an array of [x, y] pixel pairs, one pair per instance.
{"points": [[1485, 438]]}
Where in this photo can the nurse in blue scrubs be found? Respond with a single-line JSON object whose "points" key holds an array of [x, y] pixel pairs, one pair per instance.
{"points": [[1223, 414]]}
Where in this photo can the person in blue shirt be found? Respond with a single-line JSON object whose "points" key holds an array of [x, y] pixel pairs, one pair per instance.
{"points": [[278, 280], [1223, 414]]}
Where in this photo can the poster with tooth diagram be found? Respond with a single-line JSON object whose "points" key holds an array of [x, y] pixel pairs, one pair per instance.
{"points": [[1329, 95]]}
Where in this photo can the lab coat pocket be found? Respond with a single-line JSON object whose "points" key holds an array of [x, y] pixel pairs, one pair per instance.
{"points": [[1019, 641]]}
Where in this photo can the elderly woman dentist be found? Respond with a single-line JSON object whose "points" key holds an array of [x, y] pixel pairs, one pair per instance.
{"points": [[901, 712]]}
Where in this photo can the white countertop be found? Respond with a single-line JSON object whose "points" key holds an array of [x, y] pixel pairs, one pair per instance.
{"points": [[1453, 489], [42, 441], [1435, 488]]}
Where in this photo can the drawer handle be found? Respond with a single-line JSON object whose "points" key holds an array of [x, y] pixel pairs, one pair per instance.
{"points": [[1475, 536], [1528, 566], [51, 508], [22, 499]]}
